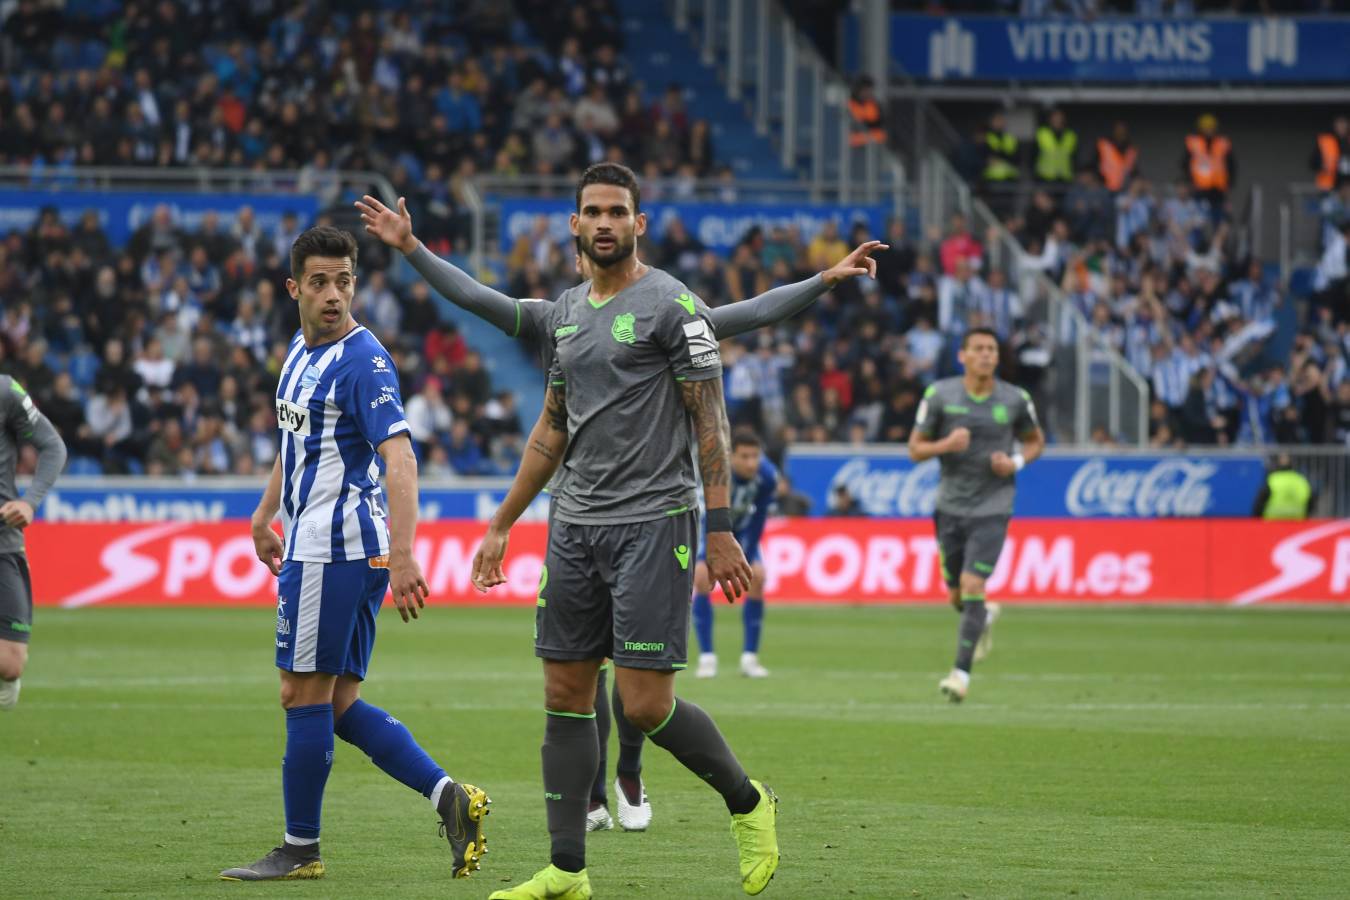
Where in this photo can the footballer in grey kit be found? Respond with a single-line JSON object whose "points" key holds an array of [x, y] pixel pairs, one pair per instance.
{"points": [[634, 385], [973, 424], [22, 423]]}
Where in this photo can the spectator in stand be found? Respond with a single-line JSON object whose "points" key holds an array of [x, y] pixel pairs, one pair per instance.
{"points": [[429, 417], [825, 247], [866, 123], [1001, 161], [1117, 160], [1210, 165], [959, 245], [1056, 150], [671, 110], [1330, 160], [1340, 415], [466, 457], [472, 380], [959, 295]]}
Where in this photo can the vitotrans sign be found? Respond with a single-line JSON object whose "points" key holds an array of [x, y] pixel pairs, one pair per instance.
{"points": [[1059, 485]]}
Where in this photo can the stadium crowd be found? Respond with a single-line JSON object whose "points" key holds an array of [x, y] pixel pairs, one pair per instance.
{"points": [[430, 93], [1162, 276], [161, 356]]}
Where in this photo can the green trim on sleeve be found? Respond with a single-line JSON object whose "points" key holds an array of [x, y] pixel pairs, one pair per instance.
{"points": [[930, 391], [516, 333]]}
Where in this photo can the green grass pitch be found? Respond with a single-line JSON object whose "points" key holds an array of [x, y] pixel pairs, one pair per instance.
{"points": [[1103, 752]]}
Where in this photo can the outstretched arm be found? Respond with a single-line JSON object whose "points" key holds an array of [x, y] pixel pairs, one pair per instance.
{"points": [[543, 454], [786, 301], [448, 280]]}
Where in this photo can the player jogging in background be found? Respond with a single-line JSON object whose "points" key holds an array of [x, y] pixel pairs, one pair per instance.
{"points": [[754, 484], [22, 424], [527, 318], [338, 405], [970, 423]]}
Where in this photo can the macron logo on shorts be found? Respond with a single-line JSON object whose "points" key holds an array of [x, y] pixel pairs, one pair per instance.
{"points": [[293, 417]]}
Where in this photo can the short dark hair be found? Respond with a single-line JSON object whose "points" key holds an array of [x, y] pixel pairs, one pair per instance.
{"points": [[321, 240], [746, 437], [965, 338], [611, 173]]}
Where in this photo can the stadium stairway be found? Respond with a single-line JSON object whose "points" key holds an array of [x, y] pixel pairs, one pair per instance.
{"points": [[658, 54]]}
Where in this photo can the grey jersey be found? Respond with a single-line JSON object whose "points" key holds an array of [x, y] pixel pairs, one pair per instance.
{"points": [[24, 424], [968, 486], [629, 454]]}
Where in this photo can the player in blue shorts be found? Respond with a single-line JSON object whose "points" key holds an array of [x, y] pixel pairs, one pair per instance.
{"points": [[754, 485], [338, 405]]}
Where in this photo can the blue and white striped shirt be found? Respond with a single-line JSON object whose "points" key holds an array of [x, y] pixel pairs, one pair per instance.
{"points": [[1256, 300], [336, 403], [1171, 378], [1002, 307]]}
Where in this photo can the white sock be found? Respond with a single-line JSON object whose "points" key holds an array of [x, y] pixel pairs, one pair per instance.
{"points": [[962, 676], [300, 842], [436, 791]]}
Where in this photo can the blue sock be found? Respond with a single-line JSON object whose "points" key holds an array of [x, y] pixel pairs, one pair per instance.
{"points": [[752, 617], [304, 769], [390, 745], [703, 622]]}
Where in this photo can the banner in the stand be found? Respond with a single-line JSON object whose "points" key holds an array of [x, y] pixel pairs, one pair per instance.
{"points": [[717, 226], [1236, 49], [807, 560], [121, 213]]}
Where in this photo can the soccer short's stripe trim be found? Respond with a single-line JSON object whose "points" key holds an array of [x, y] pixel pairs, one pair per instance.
{"points": [[307, 617], [679, 665], [973, 597], [570, 715], [677, 510], [665, 721]]}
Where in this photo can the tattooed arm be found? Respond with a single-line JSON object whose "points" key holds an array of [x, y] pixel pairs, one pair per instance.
{"points": [[543, 454], [726, 560]]}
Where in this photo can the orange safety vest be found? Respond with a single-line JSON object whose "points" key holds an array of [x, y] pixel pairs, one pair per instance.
{"points": [[1330, 149], [868, 115], [1209, 165], [1115, 166]]}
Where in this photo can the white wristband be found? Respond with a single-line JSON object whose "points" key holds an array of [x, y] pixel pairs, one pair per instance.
{"points": [[1019, 462]]}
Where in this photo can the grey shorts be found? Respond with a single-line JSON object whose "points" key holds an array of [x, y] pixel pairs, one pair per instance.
{"points": [[620, 591], [969, 544], [16, 598]]}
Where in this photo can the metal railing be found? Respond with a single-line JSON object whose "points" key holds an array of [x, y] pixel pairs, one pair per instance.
{"points": [[196, 179], [1300, 227], [1091, 385], [796, 99]]}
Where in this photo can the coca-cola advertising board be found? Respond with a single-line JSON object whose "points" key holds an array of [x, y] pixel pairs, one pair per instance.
{"points": [[1079, 486], [807, 560]]}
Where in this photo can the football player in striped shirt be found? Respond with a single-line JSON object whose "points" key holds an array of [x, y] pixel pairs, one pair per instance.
{"points": [[338, 405]]}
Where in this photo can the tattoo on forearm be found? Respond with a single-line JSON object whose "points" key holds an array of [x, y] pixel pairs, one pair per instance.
{"points": [[703, 399], [555, 406], [543, 449]]}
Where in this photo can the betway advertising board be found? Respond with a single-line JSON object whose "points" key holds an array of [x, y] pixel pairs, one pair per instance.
{"points": [[148, 500], [1143, 486], [846, 561]]}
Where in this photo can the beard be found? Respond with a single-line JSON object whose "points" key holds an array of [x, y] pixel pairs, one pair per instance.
{"points": [[622, 249]]}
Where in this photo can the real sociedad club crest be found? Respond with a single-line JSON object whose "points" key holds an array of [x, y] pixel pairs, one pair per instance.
{"points": [[310, 377]]}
